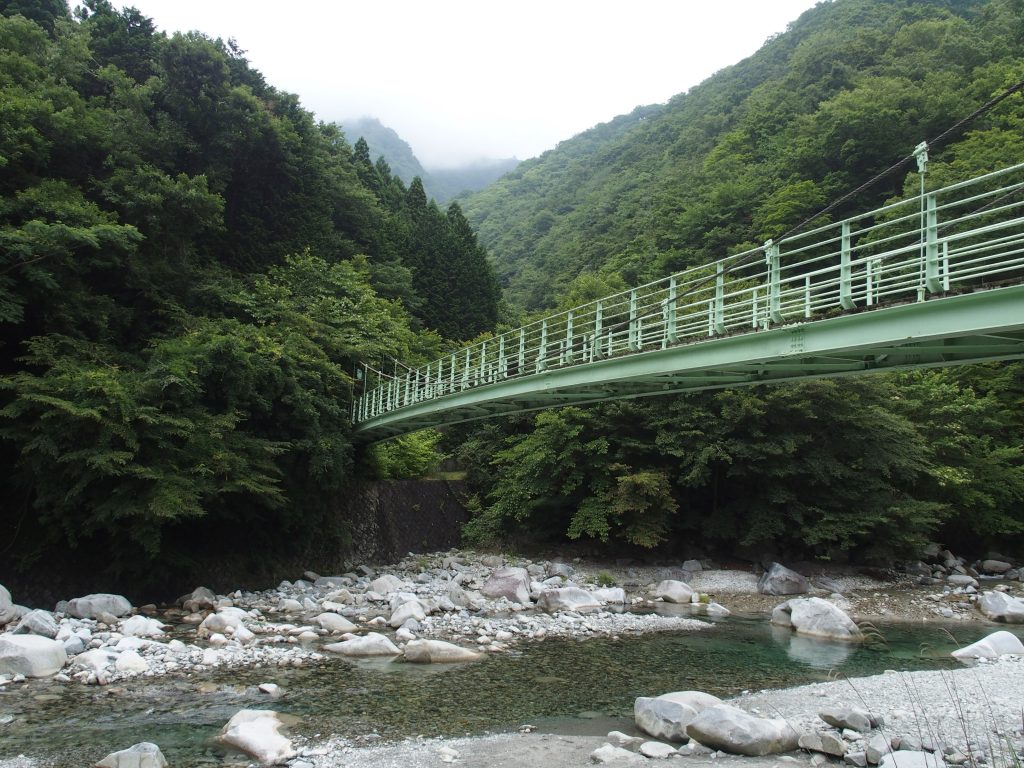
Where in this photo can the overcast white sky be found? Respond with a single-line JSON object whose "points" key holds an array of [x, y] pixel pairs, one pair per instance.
{"points": [[465, 79]]}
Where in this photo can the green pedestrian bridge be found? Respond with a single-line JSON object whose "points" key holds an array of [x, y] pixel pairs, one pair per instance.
{"points": [[935, 279]]}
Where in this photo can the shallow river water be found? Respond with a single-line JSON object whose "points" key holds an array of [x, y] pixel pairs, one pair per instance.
{"points": [[559, 685]]}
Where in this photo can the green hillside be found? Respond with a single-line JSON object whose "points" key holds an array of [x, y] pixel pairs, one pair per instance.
{"points": [[849, 88]]}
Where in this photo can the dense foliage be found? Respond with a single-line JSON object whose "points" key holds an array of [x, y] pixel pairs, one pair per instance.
{"points": [[865, 467], [191, 270]]}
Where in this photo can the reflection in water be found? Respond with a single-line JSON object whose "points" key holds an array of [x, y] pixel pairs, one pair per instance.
{"points": [[812, 651]]}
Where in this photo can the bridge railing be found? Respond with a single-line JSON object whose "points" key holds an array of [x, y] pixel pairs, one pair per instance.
{"points": [[966, 236]]}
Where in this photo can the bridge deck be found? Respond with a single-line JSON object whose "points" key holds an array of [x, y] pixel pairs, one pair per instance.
{"points": [[937, 279]]}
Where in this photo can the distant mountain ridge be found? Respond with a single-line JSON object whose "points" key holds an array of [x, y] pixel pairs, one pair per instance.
{"points": [[442, 184], [851, 87]]}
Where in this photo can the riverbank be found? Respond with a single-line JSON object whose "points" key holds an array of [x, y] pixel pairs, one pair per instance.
{"points": [[943, 709]]}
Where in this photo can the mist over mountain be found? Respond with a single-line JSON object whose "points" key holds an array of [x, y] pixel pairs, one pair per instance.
{"points": [[442, 184]]}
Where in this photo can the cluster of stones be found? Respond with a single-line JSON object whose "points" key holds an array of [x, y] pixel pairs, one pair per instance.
{"points": [[963, 585], [429, 612], [101, 638], [940, 566]]}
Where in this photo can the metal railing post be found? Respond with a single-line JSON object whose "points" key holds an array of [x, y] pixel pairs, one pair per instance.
{"points": [[771, 255], [719, 311], [932, 268], [845, 270], [567, 356], [634, 323], [542, 352], [671, 330]]}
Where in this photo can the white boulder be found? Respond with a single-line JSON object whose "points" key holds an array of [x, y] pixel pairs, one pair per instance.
{"points": [[991, 647], [672, 591], [386, 584], [510, 583], [221, 621], [411, 609], [666, 717], [131, 662], [31, 655], [141, 626], [608, 753], [94, 660], [854, 718], [142, 755], [815, 617], [39, 623], [371, 644], [200, 598], [256, 732], [438, 652], [332, 622], [6, 606], [657, 750], [91, 606], [905, 758], [612, 595], [732, 730], [1000, 606], [567, 599]]}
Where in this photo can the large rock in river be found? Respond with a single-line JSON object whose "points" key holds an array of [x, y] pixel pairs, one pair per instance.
{"points": [[370, 644], [567, 599], [91, 606], [733, 730], [256, 733], [438, 652], [672, 591], [780, 580], [815, 617], [31, 655], [1000, 606], [142, 755], [510, 583], [666, 716], [991, 647]]}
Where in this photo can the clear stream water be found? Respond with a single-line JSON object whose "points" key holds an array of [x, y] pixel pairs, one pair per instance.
{"points": [[559, 685]]}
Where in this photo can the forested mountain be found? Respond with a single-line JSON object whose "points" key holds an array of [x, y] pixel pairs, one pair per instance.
{"points": [[872, 466], [191, 271], [384, 141], [851, 87], [440, 184]]}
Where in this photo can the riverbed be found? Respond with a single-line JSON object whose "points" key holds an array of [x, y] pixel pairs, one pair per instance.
{"points": [[558, 685]]}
